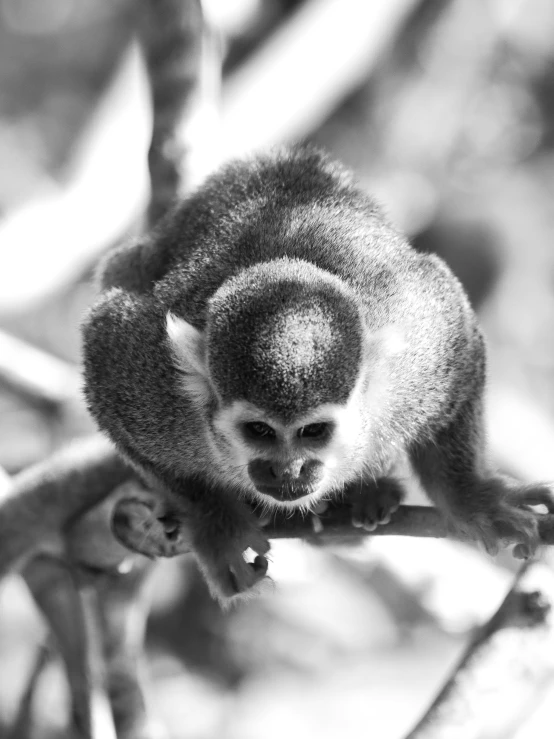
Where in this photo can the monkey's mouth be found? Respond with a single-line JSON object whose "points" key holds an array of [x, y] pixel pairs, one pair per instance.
{"points": [[287, 494]]}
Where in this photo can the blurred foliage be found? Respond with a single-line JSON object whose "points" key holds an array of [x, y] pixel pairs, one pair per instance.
{"points": [[56, 56]]}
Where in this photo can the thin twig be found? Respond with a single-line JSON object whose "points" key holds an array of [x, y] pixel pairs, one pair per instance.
{"points": [[48, 498], [505, 670]]}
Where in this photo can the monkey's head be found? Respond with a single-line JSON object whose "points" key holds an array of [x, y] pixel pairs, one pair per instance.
{"points": [[279, 372]]}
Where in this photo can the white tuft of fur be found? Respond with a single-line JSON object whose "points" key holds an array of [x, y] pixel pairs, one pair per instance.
{"points": [[392, 340], [187, 344], [189, 353]]}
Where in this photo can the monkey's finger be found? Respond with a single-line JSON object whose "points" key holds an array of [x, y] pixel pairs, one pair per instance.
{"points": [[224, 585], [245, 575], [535, 495], [258, 542], [235, 587], [260, 565], [369, 526], [171, 526], [239, 583], [370, 518], [136, 526], [230, 577], [521, 551]]}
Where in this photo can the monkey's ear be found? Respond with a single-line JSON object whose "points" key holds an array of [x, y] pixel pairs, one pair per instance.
{"points": [[188, 346]]}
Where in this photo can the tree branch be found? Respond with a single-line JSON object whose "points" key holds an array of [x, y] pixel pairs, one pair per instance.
{"points": [[294, 80], [504, 671], [47, 501], [36, 373]]}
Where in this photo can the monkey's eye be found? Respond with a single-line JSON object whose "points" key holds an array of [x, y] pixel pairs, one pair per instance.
{"points": [[259, 430], [314, 431]]}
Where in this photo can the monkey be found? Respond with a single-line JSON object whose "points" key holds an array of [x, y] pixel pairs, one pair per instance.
{"points": [[275, 339]]}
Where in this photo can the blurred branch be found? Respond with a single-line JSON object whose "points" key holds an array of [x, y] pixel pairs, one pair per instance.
{"points": [[425, 107], [98, 203], [36, 373], [504, 671], [299, 76], [107, 190], [294, 81]]}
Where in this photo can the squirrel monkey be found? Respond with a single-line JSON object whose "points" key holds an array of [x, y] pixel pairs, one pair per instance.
{"points": [[276, 339]]}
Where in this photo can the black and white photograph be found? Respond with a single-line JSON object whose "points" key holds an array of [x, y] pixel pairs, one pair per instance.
{"points": [[276, 369]]}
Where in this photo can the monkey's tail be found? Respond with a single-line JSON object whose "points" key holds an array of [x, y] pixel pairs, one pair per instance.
{"points": [[171, 34]]}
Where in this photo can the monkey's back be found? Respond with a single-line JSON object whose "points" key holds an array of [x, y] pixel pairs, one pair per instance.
{"points": [[294, 204], [299, 204]]}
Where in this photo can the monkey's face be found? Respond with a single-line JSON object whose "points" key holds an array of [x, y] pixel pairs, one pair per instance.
{"points": [[277, 375], [284, 447], [289, 464]]}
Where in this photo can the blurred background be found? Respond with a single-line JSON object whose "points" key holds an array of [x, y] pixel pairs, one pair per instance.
{"points": [[445, 110]]}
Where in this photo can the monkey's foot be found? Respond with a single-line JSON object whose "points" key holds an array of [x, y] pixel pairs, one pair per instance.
{"points": [[510, 521], [223, 557], [523, 498], [374, 502], [141, 527]]}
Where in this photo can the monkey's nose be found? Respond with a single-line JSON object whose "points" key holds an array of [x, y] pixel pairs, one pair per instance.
{"points": [[291, 479], [290, 472]]}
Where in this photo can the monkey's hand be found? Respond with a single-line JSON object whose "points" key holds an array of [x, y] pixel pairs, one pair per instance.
{"points": [[517, 520], [221, 543], [373, 502], [142, 523], [502, 514]]}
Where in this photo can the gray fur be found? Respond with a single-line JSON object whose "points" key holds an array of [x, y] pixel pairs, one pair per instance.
{"points": [[296, 206], [290, 234], [284, 336]]}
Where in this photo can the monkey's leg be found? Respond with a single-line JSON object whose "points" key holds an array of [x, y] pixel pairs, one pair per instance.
{"points": [[477, 503], [373, 502], [124, 604]]}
